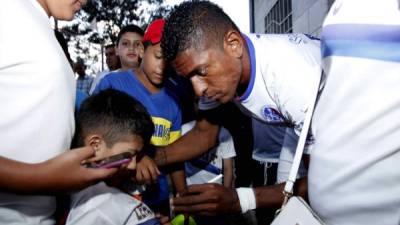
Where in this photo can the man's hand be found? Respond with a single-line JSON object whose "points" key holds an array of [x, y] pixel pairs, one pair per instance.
{"points": [[146, 171], [207, 199]]}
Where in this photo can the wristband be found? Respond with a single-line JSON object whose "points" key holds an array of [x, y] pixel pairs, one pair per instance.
{"points": [[247, 199]]}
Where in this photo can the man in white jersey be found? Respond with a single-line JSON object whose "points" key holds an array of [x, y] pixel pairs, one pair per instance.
{"points": [[272, 75], [354, 176], [37, 93]]}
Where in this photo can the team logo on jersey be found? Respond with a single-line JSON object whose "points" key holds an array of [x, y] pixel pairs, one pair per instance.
{"points": [[271, 114], [296, 39]]}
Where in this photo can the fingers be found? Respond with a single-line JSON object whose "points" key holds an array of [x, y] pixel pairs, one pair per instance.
{"points": [[163, 219], [147, 171], [206, 209], [83, 154], [143, 176], [196, 194]]}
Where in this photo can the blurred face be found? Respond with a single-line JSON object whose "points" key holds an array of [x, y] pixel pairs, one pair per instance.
{"points": [[213, 72], [153, 64], [130, 50], [111, 58], [62, 9], [79, 68], [131, 143]]}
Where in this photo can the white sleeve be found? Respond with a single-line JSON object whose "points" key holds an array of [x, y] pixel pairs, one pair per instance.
{"points": [[226, 148]]}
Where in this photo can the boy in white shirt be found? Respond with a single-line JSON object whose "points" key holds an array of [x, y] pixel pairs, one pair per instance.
{"points": [[111, 122]]}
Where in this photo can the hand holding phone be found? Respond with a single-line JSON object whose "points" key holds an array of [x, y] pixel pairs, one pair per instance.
{"points": [[111, 161]]}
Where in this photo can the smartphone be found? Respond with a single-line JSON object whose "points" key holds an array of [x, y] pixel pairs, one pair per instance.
{"points": [[111, 161]]}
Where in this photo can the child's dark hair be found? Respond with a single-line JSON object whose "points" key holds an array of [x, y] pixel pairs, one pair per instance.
{"points": [[191, 25], [114, 115], [129, 28]]}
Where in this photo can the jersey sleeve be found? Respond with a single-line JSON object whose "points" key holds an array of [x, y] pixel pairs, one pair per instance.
{"points": [[226, 148]]}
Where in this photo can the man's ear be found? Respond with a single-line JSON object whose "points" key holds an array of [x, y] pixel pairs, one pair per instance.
{"points": [[233, 43]]}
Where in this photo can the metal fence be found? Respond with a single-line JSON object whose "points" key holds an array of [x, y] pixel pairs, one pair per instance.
{"points": [[279, 18]]}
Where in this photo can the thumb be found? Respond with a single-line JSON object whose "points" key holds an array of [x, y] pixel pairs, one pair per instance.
{"points": [[84, 153]]}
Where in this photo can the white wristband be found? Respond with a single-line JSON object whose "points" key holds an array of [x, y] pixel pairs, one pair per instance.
{"points": [[247, 199]]}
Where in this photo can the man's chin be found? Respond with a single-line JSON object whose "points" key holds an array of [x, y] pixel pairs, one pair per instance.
{"points": [[223, 99]]}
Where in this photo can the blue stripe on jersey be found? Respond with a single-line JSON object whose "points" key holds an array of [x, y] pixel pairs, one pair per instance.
{"points": [[252, 69], [381, 42], [200, 165]]}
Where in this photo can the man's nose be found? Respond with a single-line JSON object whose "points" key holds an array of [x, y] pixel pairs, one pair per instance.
{"points": [[199, 85]]}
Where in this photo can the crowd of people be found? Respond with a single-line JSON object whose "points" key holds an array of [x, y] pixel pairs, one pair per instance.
{"points": [[189, 102]]}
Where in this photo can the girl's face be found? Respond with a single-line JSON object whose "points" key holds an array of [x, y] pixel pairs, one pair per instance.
{"points": [[130, 50]]}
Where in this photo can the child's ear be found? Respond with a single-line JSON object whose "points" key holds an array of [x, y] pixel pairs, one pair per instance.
{"points": [[233, 43], [141, 50], [96, 142]]}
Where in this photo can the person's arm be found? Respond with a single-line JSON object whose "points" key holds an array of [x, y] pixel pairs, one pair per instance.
{"points": [[62, 173], [197, 141], [212, 199], [178, 178], [228, 172]]}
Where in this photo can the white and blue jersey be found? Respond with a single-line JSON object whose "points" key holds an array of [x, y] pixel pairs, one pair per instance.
{"points": [[103, 205], [285, 70], [354, 176]]}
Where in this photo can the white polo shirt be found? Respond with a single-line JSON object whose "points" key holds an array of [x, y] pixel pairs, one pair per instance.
{"points": [[354, 175], [37, 94]]}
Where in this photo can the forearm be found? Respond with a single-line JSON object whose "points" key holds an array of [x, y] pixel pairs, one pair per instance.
{"points": [[178, 178], [228, 172], [62, 173], [191, 145], [272, 196], [21, 178]]}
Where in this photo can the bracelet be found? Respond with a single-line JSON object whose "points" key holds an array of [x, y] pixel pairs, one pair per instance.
{"points": [[247, 199]]}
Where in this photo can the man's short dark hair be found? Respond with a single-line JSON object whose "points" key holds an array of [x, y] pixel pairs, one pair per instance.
{"points": [[129, 28], [114, 115], [191, 25]]}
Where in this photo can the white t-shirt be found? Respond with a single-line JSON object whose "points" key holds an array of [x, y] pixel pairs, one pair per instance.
{"points": [[285, 70], [103, 205], [210, 164], [354, 176], [37, 94]]}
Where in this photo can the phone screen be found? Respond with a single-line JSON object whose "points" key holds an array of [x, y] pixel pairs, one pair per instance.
{"points": [[112, 161]]}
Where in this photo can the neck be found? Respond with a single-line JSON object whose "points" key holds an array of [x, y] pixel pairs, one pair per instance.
{"points": [[146, 82]]}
